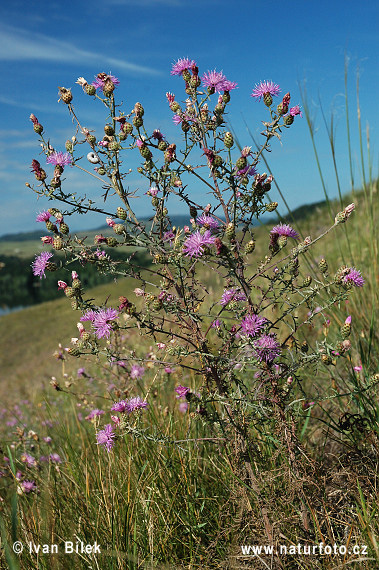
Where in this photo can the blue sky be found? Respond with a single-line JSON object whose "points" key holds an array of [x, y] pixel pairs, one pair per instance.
{"points": [[46, 44]]}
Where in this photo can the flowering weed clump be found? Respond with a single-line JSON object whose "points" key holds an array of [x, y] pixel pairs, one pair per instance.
{"points": [[245, 351]]}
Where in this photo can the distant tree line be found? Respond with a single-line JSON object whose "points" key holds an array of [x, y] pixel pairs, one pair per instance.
{"points": [[19, 287]]}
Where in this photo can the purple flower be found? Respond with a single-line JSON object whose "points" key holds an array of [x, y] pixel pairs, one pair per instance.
{"points": [[101, 320], [102, 78], [265, 87], [229, 85], [105, 437], [169, 236], [55, 458], [284, 230], [214, 80], [28, 459], [354, 278], [231, 295], [216, 324], [121, 406], [43, 216], [28, 486], [94, 414], [195, 244], [181, 65], [247, 171], [40, 263], [136, 404], [182, 391], [267, 348], [208, 222], [136, 371], [59, 158], [295, 111], [252, 325]]}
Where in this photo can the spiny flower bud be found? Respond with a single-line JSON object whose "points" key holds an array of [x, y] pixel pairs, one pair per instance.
{"points": [[326, 359], [138, 109], [121, 213], [323, 265], [58, 243], [69, 146], [288, 120], [271, 207], [282, 241], [346, 328], [51, 227], [250, 246], [267, 99], [76, 284], [73, 351], [307, 281], [230, 231], [114, 146], [63, 228], [70, 292], [155, 201], [101, 171], [156, 304], [90, 89], [241, 162], [65, 95], [341, 273], [127, 128], [137, 121], [109, 130], [228, 140], [162, 145], [118, 229], [112, 242]]}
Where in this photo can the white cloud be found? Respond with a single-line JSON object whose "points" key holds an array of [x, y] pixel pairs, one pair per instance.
{"points": [[19, 45]]}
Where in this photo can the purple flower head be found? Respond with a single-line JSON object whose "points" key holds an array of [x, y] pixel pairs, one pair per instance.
{"points": [[195, 244], [284, 230], [216, 324], [169, 236], [214, 80], [43, 216], [182, 391], [208, 222], [354, 278], [94, 414], [247, 171], [267, 348], [55, 458], [121, 406], [29, 460], [59, 158], [136, 371], [28, 486], [265, 87], [136, 404], [231, 295], [181, 65], [229, 85], [40, 263], [105, 437], [102, 79], [101, 321], [295, 111], [252, 325]]}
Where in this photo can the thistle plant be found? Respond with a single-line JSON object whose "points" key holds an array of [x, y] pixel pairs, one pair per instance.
{"points": [[245, 346]]}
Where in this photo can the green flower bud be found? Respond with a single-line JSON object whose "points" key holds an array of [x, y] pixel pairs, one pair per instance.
{"points": [[63, 228], [241, 163], [288, 120], [230, 231], [137, 122], [58, 243], [271, 207], [267, 99], [112, 242], [90, 89], [323, 265], [109, 130], [228, 140], [118, 229], [250, 246]]}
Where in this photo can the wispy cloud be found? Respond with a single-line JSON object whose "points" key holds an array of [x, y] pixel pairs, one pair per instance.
{"points": [[19, 45]]}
